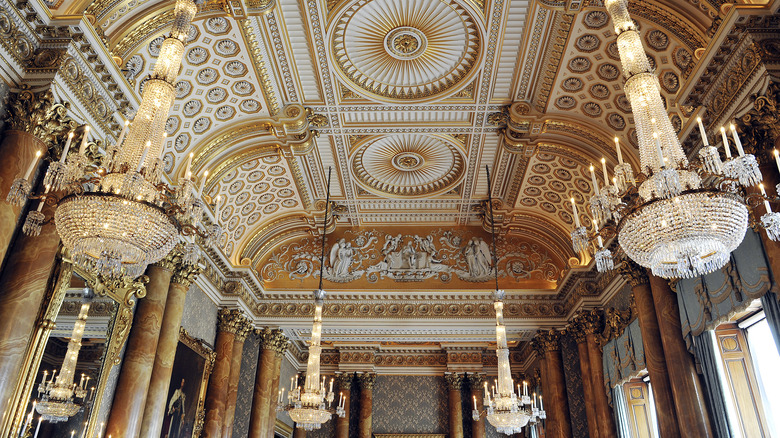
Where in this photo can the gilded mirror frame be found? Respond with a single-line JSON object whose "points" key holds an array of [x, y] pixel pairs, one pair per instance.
{"points": [[124, 293]]}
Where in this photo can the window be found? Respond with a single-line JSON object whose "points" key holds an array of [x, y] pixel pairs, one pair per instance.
{"points": [[748, 362], [766, 361]]}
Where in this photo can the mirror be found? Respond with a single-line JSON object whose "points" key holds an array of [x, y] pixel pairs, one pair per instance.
{"points": [[81, 330]]}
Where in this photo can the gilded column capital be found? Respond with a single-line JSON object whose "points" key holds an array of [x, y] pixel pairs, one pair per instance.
{"points": [[615, 321], [345, 381], [476, 381], [245, 327], [759, 128], [367, 380], [185, 275], [633, 273], [171, 261], [454, 381], [273, 339], [547, 340], [230, 320], [40, 115], [588, 322]]}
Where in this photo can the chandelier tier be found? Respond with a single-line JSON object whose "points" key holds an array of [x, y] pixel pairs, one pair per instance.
{"points": [[310, 407], [117, 217], [684, 219], [56, 396], [506, 410]]}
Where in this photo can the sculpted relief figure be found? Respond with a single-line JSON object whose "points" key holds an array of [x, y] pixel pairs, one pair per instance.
{"points": [[341, 256], [477, 254]]}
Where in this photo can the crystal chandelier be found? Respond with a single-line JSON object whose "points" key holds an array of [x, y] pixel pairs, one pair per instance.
{"points": [[56, 396], [506, 410], [677, 218], [309, 407], [117, 217]]}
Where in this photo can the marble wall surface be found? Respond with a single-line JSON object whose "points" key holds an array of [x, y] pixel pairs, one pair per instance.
{"points": [[410, 404], [571, 371], [246, 385], [200, 315], [287, 371]]}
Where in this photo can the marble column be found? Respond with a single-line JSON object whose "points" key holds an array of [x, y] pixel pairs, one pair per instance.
{"points": [[476, 382], [34, 122], [655, 358], [591, 324], [686, 387], [23, 283], [299, 432], [367, 381], [589, 383], [216, 395], [127, 410], [273, 344], [454, 384], [556, 401], [344, 381], [160, 380], [235, 373]]}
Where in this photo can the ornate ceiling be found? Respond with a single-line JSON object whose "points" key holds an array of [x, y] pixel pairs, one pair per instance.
{"points": [[407, 102]]}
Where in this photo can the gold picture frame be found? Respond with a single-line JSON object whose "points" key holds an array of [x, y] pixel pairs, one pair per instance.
{"points": [[190, 374]]}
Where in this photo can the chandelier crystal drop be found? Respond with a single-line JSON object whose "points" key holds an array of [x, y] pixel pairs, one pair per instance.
{"points": [[684, 219], [117, 217], [508, 411], [56, 396]]}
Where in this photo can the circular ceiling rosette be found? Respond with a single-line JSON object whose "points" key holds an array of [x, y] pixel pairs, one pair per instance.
{"points": [[407, 165], [412, 50]]}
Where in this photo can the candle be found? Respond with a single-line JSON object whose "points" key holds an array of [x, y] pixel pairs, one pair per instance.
{"points": [[619, 153], [525, 388], [188, 169], [576, 214], [659, 150], [203, 181], [143, 156], [777, 158], [593, 180], [736, 140], [38, 427], [72, 432], [604, 169], [487, 394], [725, 142], [91, 392], [292, 379], [122, 134], [81, 382], [475, 402], [67, 147], [331, 385], [541, 403], [83, 146], [32, 165], [703, 132], [763, 193], [534, 404]]}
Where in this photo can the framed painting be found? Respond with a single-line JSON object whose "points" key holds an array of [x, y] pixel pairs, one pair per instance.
{"points": [[184, 405]]}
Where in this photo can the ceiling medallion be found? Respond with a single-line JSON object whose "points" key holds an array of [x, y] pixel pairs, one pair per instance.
{"points": [[389, 50], [405, 43], [407, 165]]}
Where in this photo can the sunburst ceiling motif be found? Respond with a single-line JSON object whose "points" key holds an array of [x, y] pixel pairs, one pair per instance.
{"points": [[406, 50], [407, 165]]}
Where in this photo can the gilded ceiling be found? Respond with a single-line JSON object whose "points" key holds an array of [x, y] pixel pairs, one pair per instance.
{"points": [[407, 102]]}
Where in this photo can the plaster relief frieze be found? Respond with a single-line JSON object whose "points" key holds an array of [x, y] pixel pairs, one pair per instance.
{"points": [[444, 256]]}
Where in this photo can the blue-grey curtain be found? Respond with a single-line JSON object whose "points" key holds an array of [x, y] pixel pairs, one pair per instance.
{"points": [[707, 301], [772, 311], [623, 357], [713, 390]]}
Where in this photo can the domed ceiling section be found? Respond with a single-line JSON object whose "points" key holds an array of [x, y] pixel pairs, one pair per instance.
{"points": [[413, 50], [407, 165]]}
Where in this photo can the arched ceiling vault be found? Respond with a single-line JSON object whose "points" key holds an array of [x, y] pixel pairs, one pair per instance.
{"points": [[407, 113]]}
